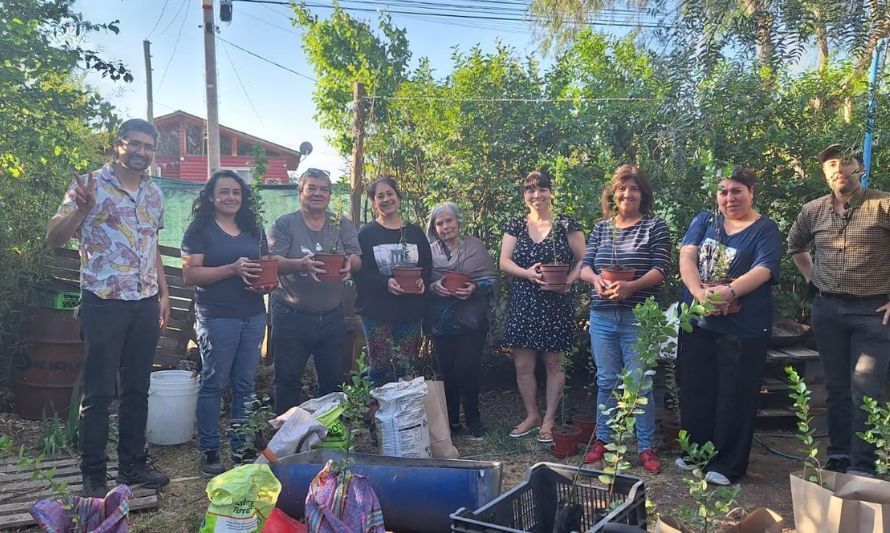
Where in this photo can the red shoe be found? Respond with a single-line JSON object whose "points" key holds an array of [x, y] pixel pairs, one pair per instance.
{"points": [[596, 453], [651, 462]]}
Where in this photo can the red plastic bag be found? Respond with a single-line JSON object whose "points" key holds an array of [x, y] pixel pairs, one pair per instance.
{"points": [[280, 522]]}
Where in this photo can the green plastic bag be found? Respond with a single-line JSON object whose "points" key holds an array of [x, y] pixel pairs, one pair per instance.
{"points": [[336, 438], [241, 499]]}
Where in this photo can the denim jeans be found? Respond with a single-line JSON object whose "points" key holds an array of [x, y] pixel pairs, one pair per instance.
{"points": [[854, 347], [297, 335], [230, 353], [120, 338], [613, 333]]}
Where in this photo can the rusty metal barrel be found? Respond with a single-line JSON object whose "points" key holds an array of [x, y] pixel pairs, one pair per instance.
{"points": [[53, 359]]}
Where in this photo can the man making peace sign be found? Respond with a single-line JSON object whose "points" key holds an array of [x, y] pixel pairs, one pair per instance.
{"points": [[115, 214]]}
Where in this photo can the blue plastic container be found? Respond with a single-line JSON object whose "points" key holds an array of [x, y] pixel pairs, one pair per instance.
{"points": [[417, 495]]}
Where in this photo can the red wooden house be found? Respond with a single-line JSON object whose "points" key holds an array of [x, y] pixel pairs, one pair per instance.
{"points": [[182, 150]]}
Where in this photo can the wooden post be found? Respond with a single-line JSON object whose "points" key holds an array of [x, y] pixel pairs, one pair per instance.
{"points": [[149, 97], [358, 159], [213, 159]]}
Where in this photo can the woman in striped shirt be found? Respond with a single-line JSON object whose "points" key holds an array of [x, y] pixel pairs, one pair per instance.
{"points": [[630, 235]]}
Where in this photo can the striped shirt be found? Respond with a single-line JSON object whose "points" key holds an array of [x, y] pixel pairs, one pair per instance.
{"points": [[852, 251], [643, 246]]}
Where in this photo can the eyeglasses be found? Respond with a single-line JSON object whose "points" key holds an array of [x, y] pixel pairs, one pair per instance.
{"points": [[135, 146]]}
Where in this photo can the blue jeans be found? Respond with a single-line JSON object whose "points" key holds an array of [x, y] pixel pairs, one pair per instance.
{"points": [[297, 335], [230, 352], [613, 333]]}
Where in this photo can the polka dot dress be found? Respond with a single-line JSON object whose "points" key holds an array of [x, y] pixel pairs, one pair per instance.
{"points": [[539, 320]]}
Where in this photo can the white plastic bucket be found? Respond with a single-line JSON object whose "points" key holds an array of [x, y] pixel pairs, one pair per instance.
{"points": [[172, 398]]}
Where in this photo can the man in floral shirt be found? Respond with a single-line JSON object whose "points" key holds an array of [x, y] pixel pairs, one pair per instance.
{"points": [[115, 214]]}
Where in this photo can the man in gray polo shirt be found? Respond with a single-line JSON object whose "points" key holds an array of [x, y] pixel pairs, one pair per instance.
{"points": [[307, 317]]}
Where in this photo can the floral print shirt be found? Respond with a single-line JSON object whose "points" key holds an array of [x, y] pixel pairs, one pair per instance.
{"points": [[118, 239]]}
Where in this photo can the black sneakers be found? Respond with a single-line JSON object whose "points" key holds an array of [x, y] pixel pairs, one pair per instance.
{"points": [[94, 486], [211, 466], [143, 474], [837, 464]]}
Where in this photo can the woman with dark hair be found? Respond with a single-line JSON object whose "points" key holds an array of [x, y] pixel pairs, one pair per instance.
{"points": [[631, 235], [457, 315], [219, 253], [540, 319], [391, 314], [730, 258]]}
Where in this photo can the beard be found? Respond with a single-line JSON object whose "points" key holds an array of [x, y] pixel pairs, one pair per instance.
{"points": [[135, 162]]}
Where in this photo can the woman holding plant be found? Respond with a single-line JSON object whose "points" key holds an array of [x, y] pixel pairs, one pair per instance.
{"points": [[632, 239], [541, 316], [391, 302], [720, 362], [220, 249], [457, 315]]}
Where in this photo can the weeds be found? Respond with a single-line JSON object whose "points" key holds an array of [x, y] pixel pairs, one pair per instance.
{"points": [[806, 434], [711, 503], [250, 429]]}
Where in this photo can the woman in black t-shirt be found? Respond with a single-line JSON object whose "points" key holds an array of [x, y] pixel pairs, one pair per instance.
{"points": [[219, 253]]}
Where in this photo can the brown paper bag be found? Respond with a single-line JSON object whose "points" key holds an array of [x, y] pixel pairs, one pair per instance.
{"points": [[845, 503], [667, 524], [762, 520], [437, 415]]}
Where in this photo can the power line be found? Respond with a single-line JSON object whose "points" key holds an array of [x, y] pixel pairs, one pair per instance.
{"points": [[244, 89], [175, 17], [163, 10], [254, 54], [173, 54]]}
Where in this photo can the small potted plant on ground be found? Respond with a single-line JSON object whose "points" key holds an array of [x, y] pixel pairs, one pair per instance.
{"points": [[586, 420], [334, 260], [565, 436], [555, 274], [406, 273], [616, 271]]}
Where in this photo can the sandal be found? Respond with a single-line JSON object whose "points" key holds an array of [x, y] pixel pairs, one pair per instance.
{"points": [[518, 431], [545, 436]]}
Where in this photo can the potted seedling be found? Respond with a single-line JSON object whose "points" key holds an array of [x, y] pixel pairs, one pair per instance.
{"points": [[565, 436], [268, 276], [333, 258], [586, 420], [615, 270], [407, 274], [453, 280], [555, 274]]}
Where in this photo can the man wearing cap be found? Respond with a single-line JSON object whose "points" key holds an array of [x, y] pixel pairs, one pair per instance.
{"points": [[307, 314], [849, 274]]}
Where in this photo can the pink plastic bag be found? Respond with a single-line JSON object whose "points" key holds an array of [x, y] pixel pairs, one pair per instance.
{"points": [[96, 515]]}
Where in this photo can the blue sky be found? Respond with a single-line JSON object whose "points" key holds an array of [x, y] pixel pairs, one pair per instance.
{"points": [[254, 96]]}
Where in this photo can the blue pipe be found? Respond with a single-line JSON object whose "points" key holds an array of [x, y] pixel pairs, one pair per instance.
{"points": [[876, 61]]}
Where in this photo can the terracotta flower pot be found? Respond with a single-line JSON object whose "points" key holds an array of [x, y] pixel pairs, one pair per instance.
{"points": [[735, 306], [455, 280], [555, 276], [617, 274], [332, 265], [268, 278], [565, 440], [407, 278], [587, 424]]}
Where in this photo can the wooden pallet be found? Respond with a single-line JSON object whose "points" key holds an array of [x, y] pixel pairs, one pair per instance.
{"points": [[794, 353], [18, 491]]}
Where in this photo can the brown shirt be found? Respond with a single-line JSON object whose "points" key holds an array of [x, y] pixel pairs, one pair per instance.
{"points": [[852, 251]]}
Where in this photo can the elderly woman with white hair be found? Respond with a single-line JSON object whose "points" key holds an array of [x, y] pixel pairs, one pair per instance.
{"points": [[463, 286]]}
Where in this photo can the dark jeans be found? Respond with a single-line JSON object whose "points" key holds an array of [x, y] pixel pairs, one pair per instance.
{"points": [[120, 338], [854, 347], [720, 377], [296, 335], [459, 358]]}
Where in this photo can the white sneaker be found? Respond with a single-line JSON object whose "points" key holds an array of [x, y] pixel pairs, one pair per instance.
{"points": [[716, 478], [683, 464]]}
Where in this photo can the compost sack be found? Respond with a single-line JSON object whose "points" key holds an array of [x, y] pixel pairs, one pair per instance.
{"points": [[298, 431], [402, 424], [437, 415], [327, 410], [844, 503], [241, 500]]}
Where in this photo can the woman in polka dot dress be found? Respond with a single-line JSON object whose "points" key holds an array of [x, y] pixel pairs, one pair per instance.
{"points": [[538, 320]]}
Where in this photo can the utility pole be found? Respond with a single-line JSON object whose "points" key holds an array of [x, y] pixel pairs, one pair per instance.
{"points": [[358, 158], [213, 160], [150, 105]]}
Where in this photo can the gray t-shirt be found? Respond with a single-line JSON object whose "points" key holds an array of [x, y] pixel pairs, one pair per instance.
{"points": [[290, 237]]}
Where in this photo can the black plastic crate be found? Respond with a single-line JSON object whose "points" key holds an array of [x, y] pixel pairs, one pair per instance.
{"points": [[531, 505]]}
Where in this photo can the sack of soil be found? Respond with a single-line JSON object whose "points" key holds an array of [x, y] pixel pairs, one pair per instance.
{"points": [[241, 500], [401, 420]]}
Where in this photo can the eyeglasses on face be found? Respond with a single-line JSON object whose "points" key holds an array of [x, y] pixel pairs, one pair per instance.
{"points": [[135, 146]]}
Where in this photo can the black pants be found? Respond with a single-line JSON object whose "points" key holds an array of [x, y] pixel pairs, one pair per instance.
{"points": [[854, 347], [459, 358], [120, 338], [297, 335], [720, 377]]}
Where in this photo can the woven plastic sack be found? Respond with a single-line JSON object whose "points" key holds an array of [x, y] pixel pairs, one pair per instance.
{"points": [[327, 410], [241, 500]]}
